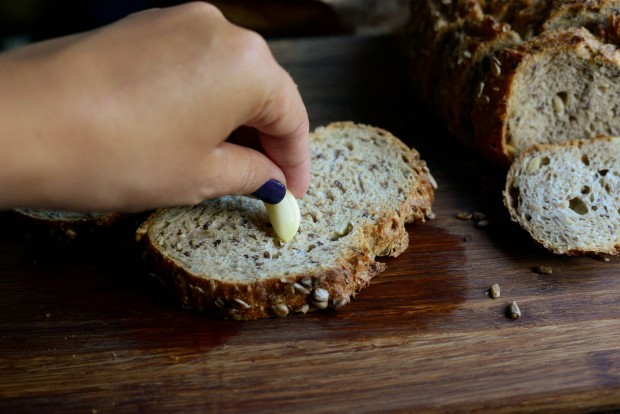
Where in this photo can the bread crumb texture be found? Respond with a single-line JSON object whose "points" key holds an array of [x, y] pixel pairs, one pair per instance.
{"points": [[223, 256], [567, 195]]}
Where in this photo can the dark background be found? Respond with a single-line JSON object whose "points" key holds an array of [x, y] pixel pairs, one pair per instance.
{"points": [[23, 21]]}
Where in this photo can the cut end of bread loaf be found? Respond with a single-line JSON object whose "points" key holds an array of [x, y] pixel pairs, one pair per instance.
{"points": [[567, 196], [504, 75], [222, 256], [563, 88]]}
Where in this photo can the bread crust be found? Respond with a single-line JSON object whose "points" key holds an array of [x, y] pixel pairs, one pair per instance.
{"points": [[462, 76], [76, 227], [477, 48], [285, 294]]}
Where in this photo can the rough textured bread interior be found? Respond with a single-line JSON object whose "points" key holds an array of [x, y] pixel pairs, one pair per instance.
{"points": [[505, 74], [567, 196], [223, 257]]}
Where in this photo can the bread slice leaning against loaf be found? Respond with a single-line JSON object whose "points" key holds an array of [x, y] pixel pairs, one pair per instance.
{"points": [[567, 195], [222, 256]]}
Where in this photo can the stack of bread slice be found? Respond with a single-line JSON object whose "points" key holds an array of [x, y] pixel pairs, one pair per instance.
{"points": [[532, 77]]}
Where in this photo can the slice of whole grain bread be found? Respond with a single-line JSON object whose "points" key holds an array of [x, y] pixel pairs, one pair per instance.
{"points": [[222, 256], [567, 195]]}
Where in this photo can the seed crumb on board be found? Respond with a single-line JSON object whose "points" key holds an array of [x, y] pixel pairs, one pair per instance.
{"points": [[464, 215], [543, 270], [514, 311], [601, 257], [480, 219], [478, 216], [481, 224], [494, 291]]}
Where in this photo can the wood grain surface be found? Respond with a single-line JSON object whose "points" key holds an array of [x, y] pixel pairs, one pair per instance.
{"points": [[83, 330]]}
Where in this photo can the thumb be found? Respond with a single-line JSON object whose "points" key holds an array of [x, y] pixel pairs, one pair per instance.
{"points": [[243, 170]]}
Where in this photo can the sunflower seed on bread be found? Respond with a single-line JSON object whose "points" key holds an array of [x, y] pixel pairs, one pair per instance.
{"points": [[249, 274]]}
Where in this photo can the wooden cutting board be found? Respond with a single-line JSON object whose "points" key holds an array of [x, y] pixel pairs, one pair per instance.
{"points": [[81, 330]]}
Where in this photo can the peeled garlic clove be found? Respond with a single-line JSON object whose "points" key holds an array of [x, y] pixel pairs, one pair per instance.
{"points": [[285, 217]]}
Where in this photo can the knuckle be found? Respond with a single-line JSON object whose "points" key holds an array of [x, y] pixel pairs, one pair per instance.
{"points": [[252, 47], [251, 177], [254, 41], [200, 8], [192, 14]]}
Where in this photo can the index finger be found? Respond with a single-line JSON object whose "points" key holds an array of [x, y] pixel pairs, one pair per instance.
{"points": [[283, 129]]}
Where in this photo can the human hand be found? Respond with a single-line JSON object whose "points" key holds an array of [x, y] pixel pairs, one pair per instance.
{"points": [[136, 115]]}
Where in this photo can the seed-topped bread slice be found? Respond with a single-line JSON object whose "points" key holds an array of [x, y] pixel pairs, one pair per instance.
{"points": [[567, 196], [222, 256]]}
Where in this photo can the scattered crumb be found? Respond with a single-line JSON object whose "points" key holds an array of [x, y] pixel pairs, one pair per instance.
{"points": [[543, 270], [466, 238], [478, 216], [481, 224], [601, 257], [480, 219], [494, 291], [514, 312], [48, 315], [464, 215], [174, 358]]}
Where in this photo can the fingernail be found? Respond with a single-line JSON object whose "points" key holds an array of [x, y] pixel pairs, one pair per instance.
{"points": [[272, 192]]}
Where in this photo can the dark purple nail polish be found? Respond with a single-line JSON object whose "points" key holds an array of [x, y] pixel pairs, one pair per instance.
{"points": [[272, 192]]}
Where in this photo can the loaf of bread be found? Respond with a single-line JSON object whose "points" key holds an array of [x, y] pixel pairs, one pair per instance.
{"points": [[222, 256], [567, 195], [506, 74]]}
